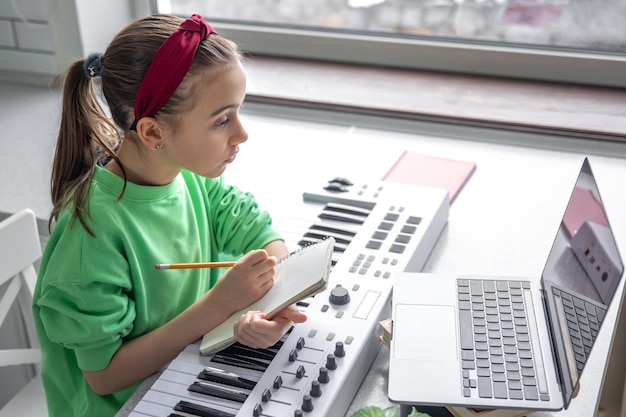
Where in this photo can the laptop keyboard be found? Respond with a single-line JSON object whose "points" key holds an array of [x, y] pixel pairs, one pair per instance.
{"points": [[496, 348], [583, 321]]}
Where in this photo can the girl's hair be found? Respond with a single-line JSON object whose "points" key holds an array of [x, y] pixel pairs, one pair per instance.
{"points": [[89, 134]]}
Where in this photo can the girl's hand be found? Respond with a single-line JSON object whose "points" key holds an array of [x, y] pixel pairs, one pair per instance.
{"points": [[247, 281], [254, 330]]}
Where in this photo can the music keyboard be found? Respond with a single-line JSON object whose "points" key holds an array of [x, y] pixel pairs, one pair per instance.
{"points": [[320, 364]]}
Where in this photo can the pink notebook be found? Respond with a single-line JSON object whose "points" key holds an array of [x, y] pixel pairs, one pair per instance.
{"points": [[431, 171]]}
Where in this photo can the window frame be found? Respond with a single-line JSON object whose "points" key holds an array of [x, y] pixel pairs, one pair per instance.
{"points": [[500, 60]]}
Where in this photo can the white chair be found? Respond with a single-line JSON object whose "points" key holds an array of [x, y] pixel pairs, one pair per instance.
{"points": [[20, 249]]}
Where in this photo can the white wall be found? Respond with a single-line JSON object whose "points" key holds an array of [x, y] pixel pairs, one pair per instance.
{"points": [[39, 38]]}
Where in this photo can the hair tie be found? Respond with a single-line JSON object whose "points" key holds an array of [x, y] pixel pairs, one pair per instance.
{"points": [[92, 65], [169, 66]]}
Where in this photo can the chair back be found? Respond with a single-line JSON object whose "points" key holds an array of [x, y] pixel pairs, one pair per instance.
{"points": [[20, 249]]}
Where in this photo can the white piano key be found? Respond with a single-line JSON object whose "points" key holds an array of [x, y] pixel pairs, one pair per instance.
{"points": [[147, 408]]}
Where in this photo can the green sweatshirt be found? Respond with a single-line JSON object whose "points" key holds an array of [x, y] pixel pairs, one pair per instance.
{"points": [[94, 293]]}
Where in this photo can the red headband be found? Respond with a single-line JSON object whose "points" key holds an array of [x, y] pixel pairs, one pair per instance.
{"points": [[169, 66]]}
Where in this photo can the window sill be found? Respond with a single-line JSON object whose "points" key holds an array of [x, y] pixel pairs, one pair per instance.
{"points": [[530, 106]]}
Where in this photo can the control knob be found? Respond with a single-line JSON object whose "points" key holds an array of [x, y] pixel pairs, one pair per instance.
{"points": [[339, 296]]}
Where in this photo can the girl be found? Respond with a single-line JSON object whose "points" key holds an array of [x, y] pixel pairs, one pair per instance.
{"points": [[106, 318]]}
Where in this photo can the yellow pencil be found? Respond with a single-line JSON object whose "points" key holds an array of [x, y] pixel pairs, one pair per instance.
{"points": [[195, 265]]}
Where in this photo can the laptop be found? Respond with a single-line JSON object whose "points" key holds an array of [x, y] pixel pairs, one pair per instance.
{"points": [[505, 342]]}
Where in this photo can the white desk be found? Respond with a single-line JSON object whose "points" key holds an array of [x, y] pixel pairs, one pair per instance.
{"points": [[502, 222]]}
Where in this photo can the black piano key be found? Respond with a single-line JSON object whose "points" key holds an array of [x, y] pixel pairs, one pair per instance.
{"points": [[341, 217], [218, 391], [348, 209], [338, 247], [239, 349], [226, 378], [327, 227], [200, 410], [323, 235], [247, 357], [239, 361]]}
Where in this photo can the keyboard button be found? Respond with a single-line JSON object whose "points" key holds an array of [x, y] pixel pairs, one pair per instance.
{"points": [[476, 287], [490, 286], [497, 377], [512, 366], [380, 235], [395, 248], [482, 354], [482, 363], [529, 381], [392, 217], [465, 324], [408, 229], [467, 355], [497, 368], [385, 226], [414, 220], [499, 390], [531, 393], [513, 376], [403, 239], [373, 244], [465, 305], [484, 387]]}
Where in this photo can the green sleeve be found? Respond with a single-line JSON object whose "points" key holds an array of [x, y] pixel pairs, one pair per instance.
{"points": [[88, 319], [84, 305], [239, 224]]}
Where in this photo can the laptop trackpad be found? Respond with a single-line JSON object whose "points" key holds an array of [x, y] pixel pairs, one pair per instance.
{"points": [[425, 333]]}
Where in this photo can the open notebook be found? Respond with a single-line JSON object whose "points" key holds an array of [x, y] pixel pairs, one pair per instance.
{"points": [[302, 274]]}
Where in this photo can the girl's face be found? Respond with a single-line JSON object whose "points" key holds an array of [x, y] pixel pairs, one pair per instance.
{"points": [[208, 135]]}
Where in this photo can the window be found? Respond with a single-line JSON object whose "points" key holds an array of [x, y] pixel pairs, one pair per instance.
{"points": [[579, 41]]}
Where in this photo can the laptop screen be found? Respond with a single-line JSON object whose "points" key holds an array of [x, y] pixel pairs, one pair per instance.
{"points": [[580, 278]]}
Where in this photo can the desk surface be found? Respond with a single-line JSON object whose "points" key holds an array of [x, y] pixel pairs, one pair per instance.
{"points": [[502, 222]]}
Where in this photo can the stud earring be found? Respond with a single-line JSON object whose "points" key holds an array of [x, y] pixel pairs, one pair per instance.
{"points": [[157, 146]]}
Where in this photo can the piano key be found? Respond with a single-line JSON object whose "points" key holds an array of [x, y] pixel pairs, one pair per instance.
{"points": [[239, 350], [167, 393], [239, 362], [190, 362], [215, 390], [344, 229], [348, 209], [342, 217], [200, 410], [227, 378], [338, 247], [149, 408], [312, 233]]}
